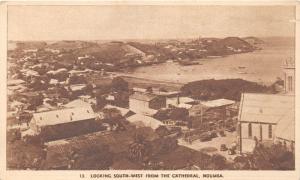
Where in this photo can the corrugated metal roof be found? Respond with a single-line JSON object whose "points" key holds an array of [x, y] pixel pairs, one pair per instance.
{"points": [[77, 87], [143, 96], [285, 128], [63, 116], [268, 108], [123, 111], [218, 103], [77, 103], [146, 121]]}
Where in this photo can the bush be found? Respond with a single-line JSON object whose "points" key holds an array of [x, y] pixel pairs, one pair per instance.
{"points": [[119, 84], [21, 155]]}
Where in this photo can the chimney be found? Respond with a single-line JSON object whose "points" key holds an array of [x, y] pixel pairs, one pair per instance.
{"points": [[178, 101]]}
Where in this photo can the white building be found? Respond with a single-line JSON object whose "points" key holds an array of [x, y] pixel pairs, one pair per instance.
{"points": [[146, 103], [61, 118], [268, 118], [265, 118]]}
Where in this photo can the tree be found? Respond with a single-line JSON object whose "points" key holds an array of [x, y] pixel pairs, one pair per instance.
{"points": [[122, 99], [168, 144], [114, 118], [139, 150], [276, 157], [162, 131], [241, 163], [179, 114], [119, 84], [13, 135], [218, 162], [35, 100], [162, 114], [37, 140], [21, 155], [92, 157], [111, 113]]}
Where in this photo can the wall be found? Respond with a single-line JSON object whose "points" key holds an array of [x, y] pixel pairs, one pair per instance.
{"points": [[157, 103], [256, 132], [289, 72], [65, 130]]}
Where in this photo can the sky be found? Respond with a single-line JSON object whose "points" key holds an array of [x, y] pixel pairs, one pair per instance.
{"points": [[147, 22]]}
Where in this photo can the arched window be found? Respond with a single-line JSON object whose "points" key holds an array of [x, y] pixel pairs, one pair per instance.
{"points": [[250, 130]]}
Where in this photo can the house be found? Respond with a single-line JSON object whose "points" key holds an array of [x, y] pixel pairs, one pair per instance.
{"points": [[179, 101], [215, 111], [266, 118], [167, 94], [88, 99], [221, 105], [146, 103], [124, 112], [140, 90], [158, 92], [63, 123], [269, 118], [144, 121], [77, 103], [77, 89]]}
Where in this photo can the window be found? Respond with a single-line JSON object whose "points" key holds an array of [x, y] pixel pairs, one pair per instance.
{"points": [[290, 83], [260, 133], [270, 131], [250, 130]]}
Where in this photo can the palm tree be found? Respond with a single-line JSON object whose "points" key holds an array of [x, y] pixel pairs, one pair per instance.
{"points": [[139, 149]]}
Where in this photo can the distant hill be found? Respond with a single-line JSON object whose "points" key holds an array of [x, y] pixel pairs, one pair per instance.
{"points": [[235, 42], [253, 40], [132, 54], [70, 45], [30, 44], [152, 49], [111, 52], [229, 45]]}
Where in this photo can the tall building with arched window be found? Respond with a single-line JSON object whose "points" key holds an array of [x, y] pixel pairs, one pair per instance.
{"points": [[289, 76]]}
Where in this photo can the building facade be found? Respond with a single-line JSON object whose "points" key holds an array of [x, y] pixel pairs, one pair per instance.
{"points": [[63, 123], [146, 103], [265, 118], [289, 77]]}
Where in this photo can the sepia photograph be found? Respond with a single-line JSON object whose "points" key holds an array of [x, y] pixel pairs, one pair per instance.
{"points": [[150, 87]]}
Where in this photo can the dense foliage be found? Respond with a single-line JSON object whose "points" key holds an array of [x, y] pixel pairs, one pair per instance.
{"points": [[276, 157], [229, 89]]}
